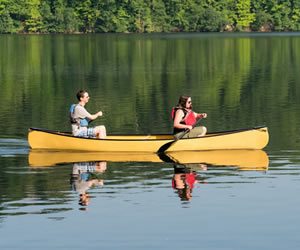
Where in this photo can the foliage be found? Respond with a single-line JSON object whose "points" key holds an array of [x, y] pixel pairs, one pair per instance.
{"points": [[211, 20], [244, 15], [6, 22], [144, 16]]}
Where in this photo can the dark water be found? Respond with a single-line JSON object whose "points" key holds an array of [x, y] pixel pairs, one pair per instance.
{"points": [[240, 80]]}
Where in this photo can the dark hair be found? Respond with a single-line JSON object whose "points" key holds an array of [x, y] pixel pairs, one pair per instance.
{"points": [[82, 200], [183, 193], [80, 94], [182, 101]]}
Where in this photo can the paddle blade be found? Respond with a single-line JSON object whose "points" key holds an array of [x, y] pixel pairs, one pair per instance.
{"points": [[164, 147]]}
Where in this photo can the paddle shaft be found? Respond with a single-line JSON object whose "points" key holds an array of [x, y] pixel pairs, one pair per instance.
{"points": [[181, 134], [178, 136]]}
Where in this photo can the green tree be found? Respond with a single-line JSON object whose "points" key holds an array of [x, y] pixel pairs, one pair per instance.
{"points": [[281, 12], [121, 20], [263, 22], [70, 20], [295, 15], [113, 16], [177, 14], [211, 20], [87, 13], [244, 15], [159, 16], [140, 16], [33, 21], [47, 18], [58, 9], [194, 15], [6, 22], [67, 16]]}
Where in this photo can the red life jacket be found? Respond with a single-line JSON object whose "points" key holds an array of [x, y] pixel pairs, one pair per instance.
{"points": [[189, 117]]}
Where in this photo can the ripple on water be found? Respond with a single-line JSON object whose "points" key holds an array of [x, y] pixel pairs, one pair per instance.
{"points": [[10, 147], [35, 206], [285, 163]]}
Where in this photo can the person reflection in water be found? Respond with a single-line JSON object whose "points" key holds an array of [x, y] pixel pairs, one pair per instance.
{"points": [[85, 175], [184, 180]]}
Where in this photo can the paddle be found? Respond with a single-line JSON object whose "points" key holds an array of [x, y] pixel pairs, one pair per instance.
{"points": [[178, 136]]}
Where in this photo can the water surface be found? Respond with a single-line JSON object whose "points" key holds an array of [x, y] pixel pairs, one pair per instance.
{"points": [[240, 80]]}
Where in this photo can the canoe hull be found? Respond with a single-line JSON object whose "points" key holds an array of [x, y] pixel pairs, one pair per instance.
{"points": [[248, 139], [254, 138], [45, 140]]}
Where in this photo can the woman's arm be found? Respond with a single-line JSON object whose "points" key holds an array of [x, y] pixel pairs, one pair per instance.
{"points": [[200, 115], [178, 118]]}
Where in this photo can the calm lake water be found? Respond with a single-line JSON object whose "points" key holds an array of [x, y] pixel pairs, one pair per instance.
{"points": [[238, 200]]}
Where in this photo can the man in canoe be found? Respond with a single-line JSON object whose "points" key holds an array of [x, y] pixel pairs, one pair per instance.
{"points": [[185, 119], [80, 118]]}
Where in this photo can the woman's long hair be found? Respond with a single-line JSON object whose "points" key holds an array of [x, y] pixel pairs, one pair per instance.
{"points": [[182, 101]]}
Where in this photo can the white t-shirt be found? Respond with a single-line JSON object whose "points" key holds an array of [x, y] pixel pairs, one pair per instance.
{"points": [[79, 112]]}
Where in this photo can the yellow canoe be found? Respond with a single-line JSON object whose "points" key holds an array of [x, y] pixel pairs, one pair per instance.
{"points": [[244, 159], [252, 138]]}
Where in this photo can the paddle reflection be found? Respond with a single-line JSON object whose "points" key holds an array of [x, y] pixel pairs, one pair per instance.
{"points": [[86, 175], [185, 178]]}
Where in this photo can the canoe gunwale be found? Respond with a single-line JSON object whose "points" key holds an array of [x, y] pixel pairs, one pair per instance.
{"points": [[208, 135]]}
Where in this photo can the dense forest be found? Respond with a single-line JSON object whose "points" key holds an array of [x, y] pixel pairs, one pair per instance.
{"points": [[146, 16]]}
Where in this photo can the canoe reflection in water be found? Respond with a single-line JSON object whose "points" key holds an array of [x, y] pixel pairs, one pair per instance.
{"points": [[86, 175], [184, 180], [89, 166], [243, 159]]}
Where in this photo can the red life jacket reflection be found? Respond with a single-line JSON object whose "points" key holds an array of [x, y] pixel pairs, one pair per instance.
{"points": [[189, 180]]}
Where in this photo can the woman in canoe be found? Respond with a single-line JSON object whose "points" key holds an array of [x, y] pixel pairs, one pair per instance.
{"points": [[185, 118], [80, 118]]}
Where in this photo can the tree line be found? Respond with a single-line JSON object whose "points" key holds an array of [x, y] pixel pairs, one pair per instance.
{"points": [[147, 16]]}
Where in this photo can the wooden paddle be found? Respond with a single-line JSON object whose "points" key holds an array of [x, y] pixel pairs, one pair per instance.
{"points": [[178, 136]]}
